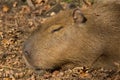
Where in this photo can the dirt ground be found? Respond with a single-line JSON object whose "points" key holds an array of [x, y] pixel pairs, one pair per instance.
{"points": [[17, 21]]}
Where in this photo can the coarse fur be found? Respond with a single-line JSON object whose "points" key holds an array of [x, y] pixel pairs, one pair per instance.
{"points": [[61, 41]]}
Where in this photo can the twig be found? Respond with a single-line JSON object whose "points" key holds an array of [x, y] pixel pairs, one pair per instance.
{"points": [[29, 2], [8, 67]]}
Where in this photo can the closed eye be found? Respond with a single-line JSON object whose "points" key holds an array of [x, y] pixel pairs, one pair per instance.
{"points": [[59, 28]]}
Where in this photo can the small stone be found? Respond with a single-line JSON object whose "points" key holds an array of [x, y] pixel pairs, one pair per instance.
{"points": [[52, 14]]}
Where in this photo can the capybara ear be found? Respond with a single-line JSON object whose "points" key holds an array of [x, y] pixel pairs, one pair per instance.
{"points": [[78, 16]]}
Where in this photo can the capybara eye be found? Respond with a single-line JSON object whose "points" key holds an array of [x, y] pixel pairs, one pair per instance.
{"points": [[57, 29]]}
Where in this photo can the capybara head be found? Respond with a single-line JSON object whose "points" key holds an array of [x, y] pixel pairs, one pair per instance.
{"points": [[71, 37]]}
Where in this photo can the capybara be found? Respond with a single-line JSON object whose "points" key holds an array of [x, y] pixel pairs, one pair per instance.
{"points": [[89, 37]]}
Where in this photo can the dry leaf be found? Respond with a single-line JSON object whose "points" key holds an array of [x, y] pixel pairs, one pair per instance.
{"points": [[5, 42], [5, 8], [7, 79], [55, 73], [15, 4], [1, 34], [38, 1], [25, 9], [83, 75], [41, 1]]}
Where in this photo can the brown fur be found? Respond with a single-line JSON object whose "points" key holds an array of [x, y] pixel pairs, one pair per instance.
{"points": [[60, 41]]}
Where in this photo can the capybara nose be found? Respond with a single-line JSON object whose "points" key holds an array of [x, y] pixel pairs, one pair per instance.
{"points": [[26, 50], [27, 53]]}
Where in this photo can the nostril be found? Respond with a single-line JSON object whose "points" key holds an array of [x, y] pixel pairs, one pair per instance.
{"points": [[26, 53]]}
